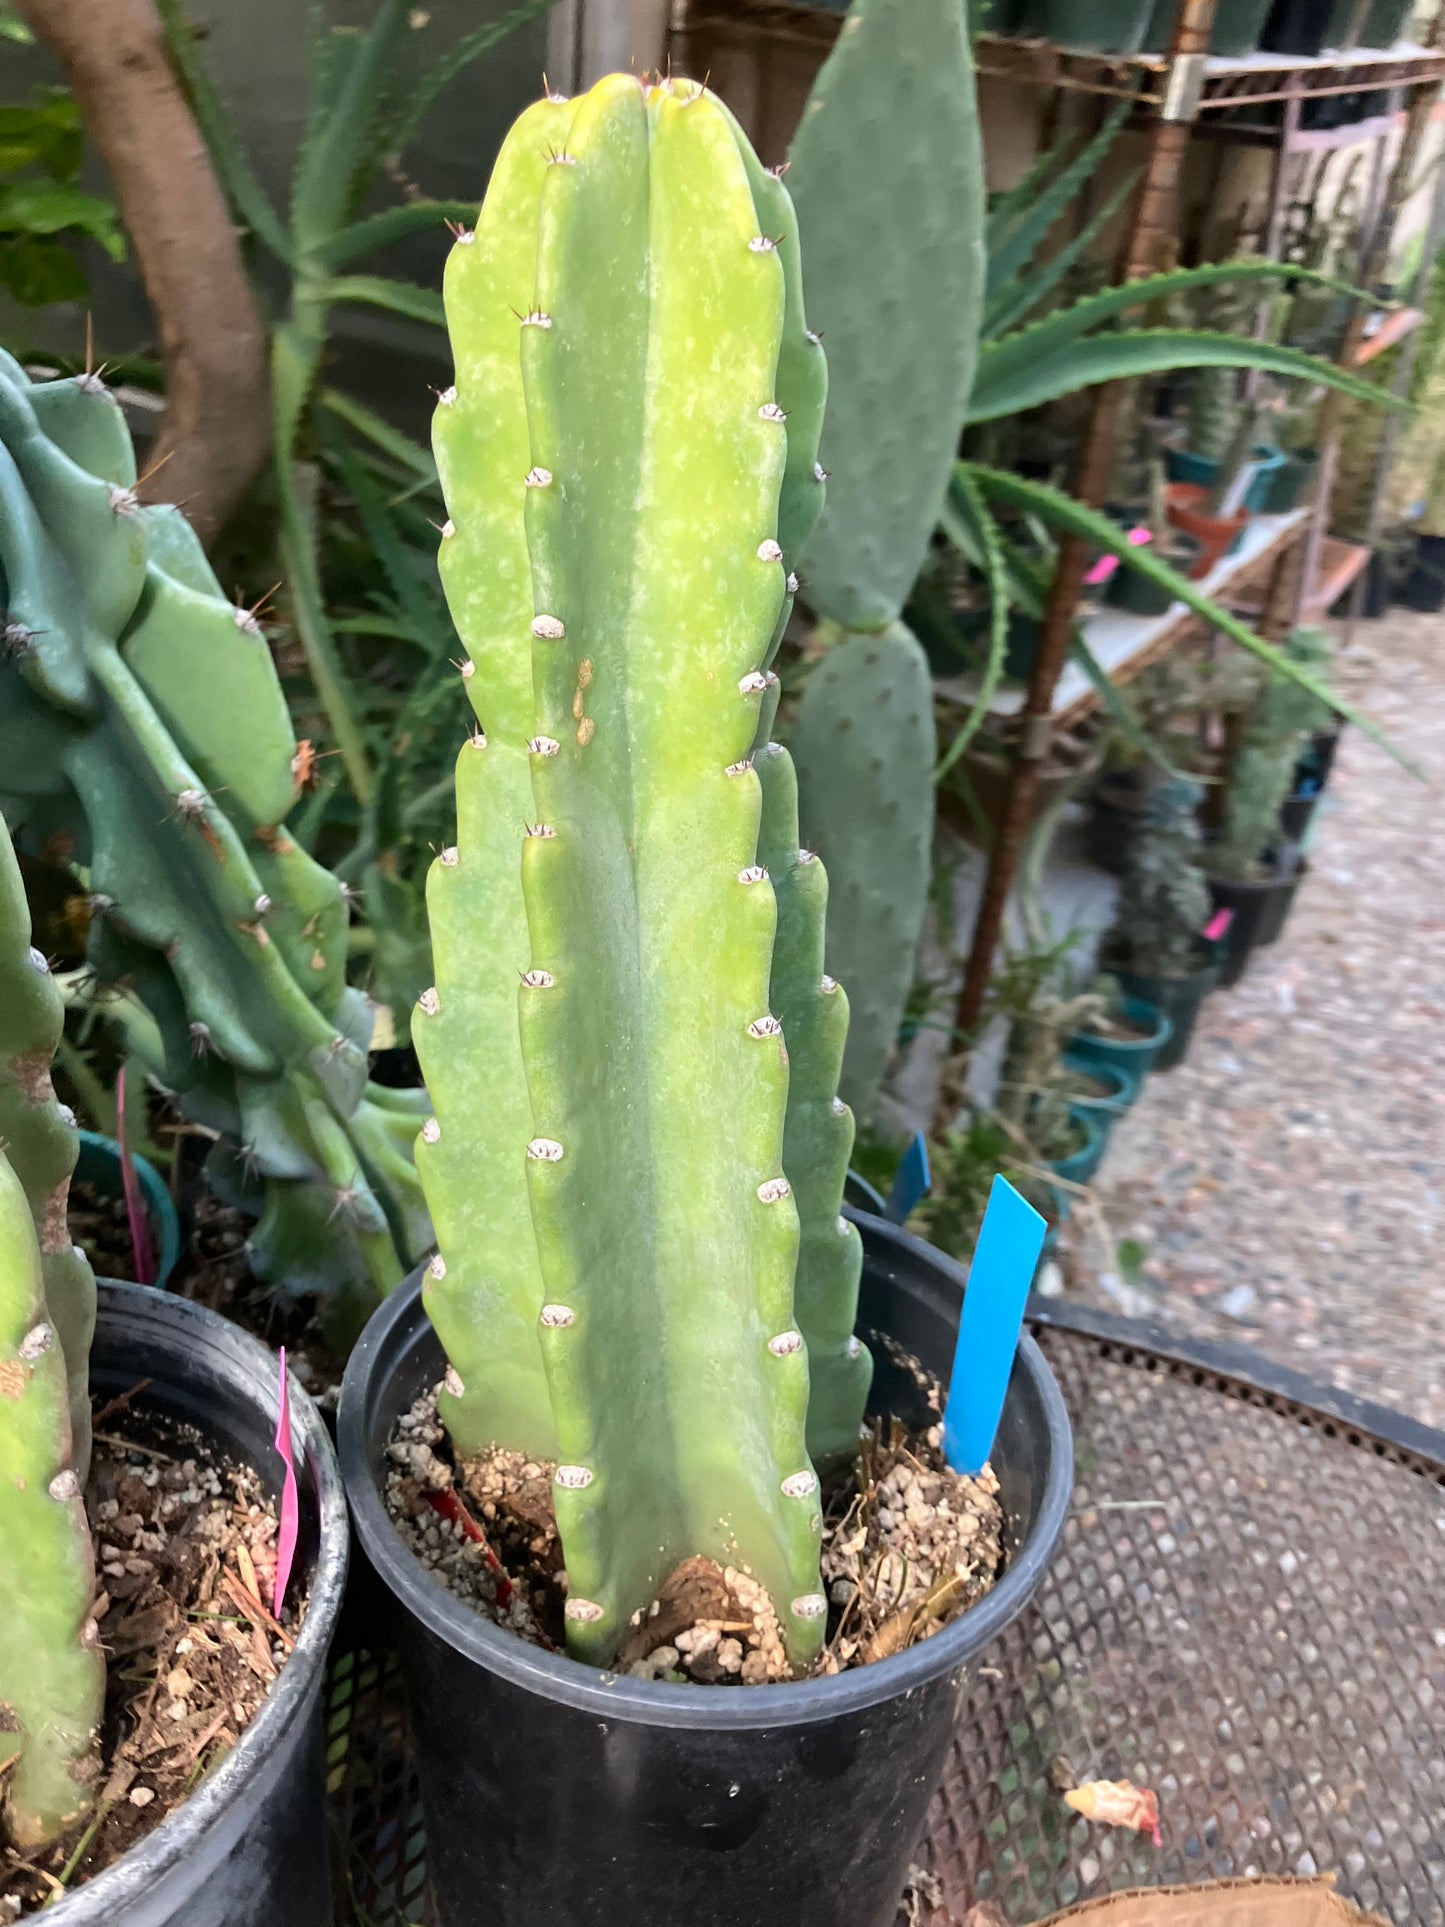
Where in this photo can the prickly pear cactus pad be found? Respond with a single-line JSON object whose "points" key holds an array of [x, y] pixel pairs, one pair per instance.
{"points": [[52, 1675], [888, 149], [141, 710], [614, 495], [865, 748], [38, 1136]]}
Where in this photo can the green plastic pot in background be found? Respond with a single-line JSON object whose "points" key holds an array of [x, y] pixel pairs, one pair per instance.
{"points": [[1136, 1055], [99, 1166], [1104, 27], [1179, 998], [1288, 481], [1136, 595], [1384, 23], [1236, 30]]}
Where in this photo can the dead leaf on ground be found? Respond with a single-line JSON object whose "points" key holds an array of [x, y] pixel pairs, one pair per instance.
{"points": [[1118, 1803]]}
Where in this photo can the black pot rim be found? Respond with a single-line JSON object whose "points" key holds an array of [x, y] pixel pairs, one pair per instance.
{"points": [[1259, 886], [113, 1894], [647, 1702]]}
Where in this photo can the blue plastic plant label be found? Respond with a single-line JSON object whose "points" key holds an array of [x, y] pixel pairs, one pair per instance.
{"points": [[1004, 1259]]}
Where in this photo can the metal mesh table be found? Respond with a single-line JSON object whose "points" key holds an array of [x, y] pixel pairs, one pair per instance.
{"points": [[1247, 1613]]}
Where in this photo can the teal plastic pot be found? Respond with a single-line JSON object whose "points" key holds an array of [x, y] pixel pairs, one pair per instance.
{"points": [[99, 1166], [1080, 1165], [1111, 1104], [1178, 998], [1105, 27], [1236, 30], [1183, 465], [1287, 482], [1137, 1055]]}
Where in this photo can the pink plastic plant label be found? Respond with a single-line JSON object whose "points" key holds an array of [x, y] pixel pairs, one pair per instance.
{"points": [[1218, 925], [1106, 564], [290, 1496]]}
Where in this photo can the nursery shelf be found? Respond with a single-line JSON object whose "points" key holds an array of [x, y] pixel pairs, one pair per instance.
{"points": [[1249, 80], [1123, 644], [1244, 1615]]}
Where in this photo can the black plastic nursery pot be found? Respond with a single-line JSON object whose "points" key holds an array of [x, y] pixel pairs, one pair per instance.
{"points": [[555, 1793], [248, 1848], [1296, 27], [1260, 906], [1179, 998], [1425, 585]]}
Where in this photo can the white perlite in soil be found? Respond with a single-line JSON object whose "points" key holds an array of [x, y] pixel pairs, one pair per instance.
{"points": [[900, 1558]]}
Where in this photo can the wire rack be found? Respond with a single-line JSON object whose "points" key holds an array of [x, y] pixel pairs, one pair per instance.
{"points": [[1247, 1613]]}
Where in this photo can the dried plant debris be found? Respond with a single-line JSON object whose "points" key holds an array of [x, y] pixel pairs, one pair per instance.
{"points": [[185, 1550], [907, 1546]]}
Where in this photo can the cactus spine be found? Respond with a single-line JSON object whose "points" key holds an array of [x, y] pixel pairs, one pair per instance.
{"points": [[141, 714], [52, 1677], [622, 482]]}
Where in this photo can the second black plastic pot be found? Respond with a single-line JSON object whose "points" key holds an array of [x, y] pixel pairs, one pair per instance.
{"points": [[556, 1793], [1425, 585], [248, 1848], [1180, 999], [1260, 905]]}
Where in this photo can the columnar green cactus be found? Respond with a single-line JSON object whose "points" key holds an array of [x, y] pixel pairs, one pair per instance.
{"points": [[140, 710], [813, 1010], [38, 1137], [624, 472], [52, 1676]]}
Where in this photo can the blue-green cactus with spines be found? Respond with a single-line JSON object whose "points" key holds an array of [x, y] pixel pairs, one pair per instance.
{"points": [[140, 711], [52, 1676], [629, 458]]}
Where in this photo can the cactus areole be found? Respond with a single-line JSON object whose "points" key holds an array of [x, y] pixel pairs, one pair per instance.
{"points": [[629, 460]]}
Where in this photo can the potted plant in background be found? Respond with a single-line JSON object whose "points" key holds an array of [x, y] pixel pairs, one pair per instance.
{"points": [[1155, 949], [1249, 873], [206, 1801], [633, 1053]]}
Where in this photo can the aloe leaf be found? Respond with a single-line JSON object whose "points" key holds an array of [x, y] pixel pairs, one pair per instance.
{"points": [[351, 71], [1066, 325], [978, 539], [1008, 252], [239, 183], [396, 297], [1027, 381], [392, 224], [408, 455], [410, 115], [1115, 703], [1023, 296], [1072, 518]]}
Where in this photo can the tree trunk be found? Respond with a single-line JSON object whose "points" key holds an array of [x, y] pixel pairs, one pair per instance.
{"points": [[216, 429]]}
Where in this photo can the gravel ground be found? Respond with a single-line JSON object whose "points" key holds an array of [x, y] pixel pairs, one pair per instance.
{"points": [[1287, 1180]]}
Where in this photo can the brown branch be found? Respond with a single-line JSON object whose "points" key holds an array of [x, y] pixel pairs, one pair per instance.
{"points": [[216, 429]]}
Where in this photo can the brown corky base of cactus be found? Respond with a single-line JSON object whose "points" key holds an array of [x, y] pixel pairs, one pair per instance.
{"points": [[185, 1550], [907, 1546]]}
